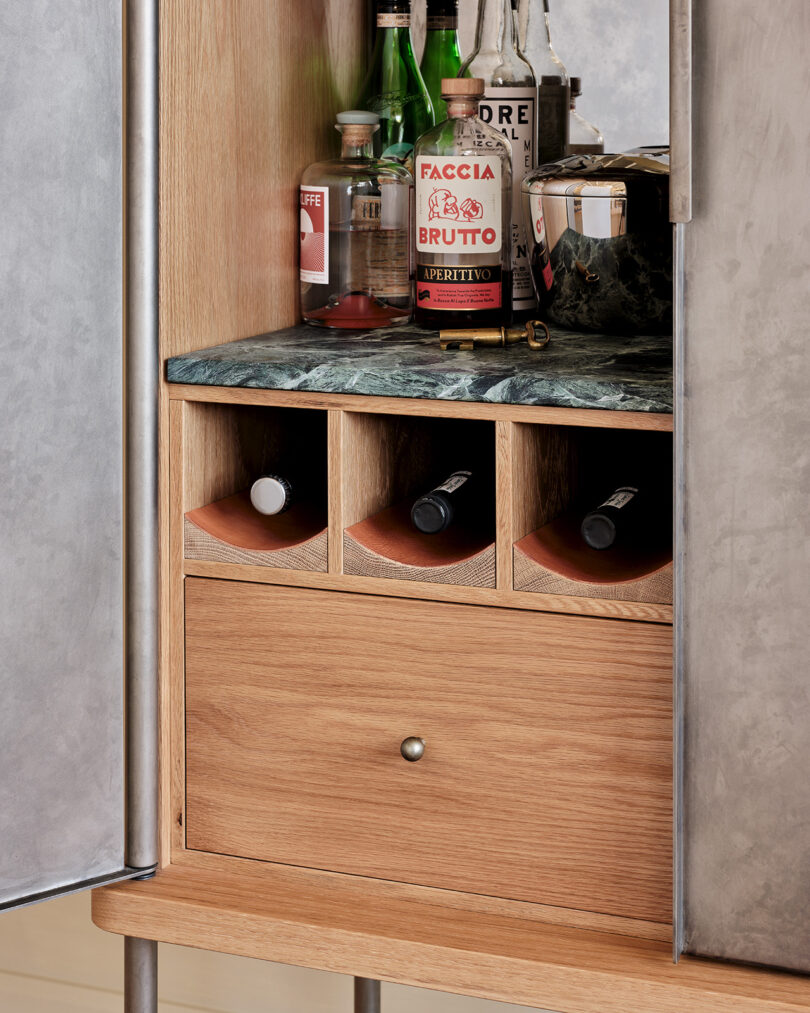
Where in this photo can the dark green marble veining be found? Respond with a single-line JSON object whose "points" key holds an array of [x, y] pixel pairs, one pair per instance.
{"points": [[574, 371]]}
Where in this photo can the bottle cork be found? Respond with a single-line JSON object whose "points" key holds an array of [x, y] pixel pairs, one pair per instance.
{"points": [[463, 87]]}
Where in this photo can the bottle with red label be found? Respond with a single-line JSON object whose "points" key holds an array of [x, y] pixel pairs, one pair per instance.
{"points": [[463, 170], [509, 105], [355, 231]]}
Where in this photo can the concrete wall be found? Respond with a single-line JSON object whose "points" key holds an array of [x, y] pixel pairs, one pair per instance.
{"points": [[619, 49]]}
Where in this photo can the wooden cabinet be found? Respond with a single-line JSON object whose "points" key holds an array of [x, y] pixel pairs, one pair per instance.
{"points": [[546, 775]]}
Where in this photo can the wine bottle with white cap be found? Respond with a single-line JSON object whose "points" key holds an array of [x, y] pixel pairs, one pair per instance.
{"points": [[271, 494]]}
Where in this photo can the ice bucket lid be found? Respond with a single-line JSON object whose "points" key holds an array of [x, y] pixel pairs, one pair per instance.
{"points": [[600, 175]]}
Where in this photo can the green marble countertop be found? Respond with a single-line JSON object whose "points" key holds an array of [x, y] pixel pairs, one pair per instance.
{"points": [[575, 370]]}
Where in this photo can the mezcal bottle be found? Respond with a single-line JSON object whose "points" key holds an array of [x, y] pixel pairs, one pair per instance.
{"points": [[394, 88], [463, 213], [510, 106]]}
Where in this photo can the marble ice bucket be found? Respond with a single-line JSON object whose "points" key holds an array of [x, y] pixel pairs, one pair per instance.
{"points": [[601, 242]]}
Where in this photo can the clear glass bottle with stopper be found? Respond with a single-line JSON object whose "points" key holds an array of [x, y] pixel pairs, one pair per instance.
{"points": [[509, 105], [583, 137], [553, 85], [463, 173], [355, 231]]}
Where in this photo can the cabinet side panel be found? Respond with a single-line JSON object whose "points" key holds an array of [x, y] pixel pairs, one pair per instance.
{"points": [[747, 473], [61, 499], [249, 91]]}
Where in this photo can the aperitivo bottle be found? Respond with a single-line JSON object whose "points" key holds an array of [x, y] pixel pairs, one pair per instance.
{"points": [[509, 105], [355, 227], [441, 57], [394, 88], [463, 215]]}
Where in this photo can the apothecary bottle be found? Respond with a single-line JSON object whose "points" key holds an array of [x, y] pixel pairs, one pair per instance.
{"points": [[510, 106], [393, 87], [553, 85], [355, 225], [463, 185]]}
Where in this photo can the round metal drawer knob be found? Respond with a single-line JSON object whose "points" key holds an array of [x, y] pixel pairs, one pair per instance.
{"points": [[412, 748]]}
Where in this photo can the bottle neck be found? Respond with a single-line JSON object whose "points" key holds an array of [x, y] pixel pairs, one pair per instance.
{"points": [[496, 31], [461, 108], [394, 15], [442, 16], [356, 142]]}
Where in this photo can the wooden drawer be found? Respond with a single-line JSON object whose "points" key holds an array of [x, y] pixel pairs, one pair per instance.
{"points": [[546, 775]]}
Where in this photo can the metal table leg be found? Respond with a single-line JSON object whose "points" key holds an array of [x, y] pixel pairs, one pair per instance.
{"points": [[366, 995], [140, 976]]}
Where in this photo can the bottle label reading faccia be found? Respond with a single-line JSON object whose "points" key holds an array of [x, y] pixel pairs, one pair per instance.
{"points": [[313, 205], [393, 20], [513, 112], [456, 480], [621, 497], [458, 204]]}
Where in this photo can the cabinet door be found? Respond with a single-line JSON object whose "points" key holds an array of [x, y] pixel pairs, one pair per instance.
{"points": [[61, 498], [546, 773], [745, 651]]}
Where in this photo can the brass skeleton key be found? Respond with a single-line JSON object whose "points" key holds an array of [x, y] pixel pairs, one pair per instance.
{"points": [[465, 340]]}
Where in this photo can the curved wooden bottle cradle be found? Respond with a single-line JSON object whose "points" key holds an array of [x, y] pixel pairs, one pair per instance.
{"points": [[387, 545], [555, 560], [231, 531]]}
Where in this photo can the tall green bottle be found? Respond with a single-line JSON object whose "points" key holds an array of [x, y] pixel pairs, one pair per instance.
{"points": [[394, 88], [441, 57]]}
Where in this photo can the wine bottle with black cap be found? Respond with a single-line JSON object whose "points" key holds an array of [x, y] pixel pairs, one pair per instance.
{"points": [[436, 510], [619, 519]]}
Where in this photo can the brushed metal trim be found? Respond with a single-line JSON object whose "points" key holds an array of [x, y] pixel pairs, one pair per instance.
{"points": [[140, 975], [142, 373], [80, 887], [366, 995], [680, 110], [679, 543]]}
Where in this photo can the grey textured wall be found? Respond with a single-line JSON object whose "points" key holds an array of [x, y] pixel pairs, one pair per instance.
{"points": [[620, 49], [61, 764]]}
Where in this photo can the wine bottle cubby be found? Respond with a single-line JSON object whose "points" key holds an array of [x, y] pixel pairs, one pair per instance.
{"points": [[389, 460], [227, 448], [562, 472]]}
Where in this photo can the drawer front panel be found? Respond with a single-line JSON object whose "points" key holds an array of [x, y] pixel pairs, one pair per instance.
{"points": [[546, 774]]}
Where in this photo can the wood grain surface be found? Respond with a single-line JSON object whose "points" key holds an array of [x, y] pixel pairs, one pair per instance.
{"points": [[248, 95], [547, 774], [388, 545], [341, 924], [591, 417]]}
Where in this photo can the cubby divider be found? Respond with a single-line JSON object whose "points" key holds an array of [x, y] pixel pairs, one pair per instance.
{"points": [[559, 472], [388, 461], [228, 446]]}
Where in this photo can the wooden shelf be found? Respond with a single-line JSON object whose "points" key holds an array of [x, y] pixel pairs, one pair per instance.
{"points": [[388, 545], [423, 937], [231, 531], [554, 559]]}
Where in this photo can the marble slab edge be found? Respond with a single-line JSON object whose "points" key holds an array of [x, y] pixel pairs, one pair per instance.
{"points": [[577, 370]]}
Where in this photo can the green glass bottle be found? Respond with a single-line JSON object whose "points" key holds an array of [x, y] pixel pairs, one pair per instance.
{"points": [[394, 88], [441, 57]]}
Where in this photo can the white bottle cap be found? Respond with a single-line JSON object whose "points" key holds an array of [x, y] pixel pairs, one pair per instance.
{"points": [[269, 495], [360, 116]]}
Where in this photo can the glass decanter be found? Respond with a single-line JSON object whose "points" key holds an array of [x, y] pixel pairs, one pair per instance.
{"points": [[356, 264]]}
